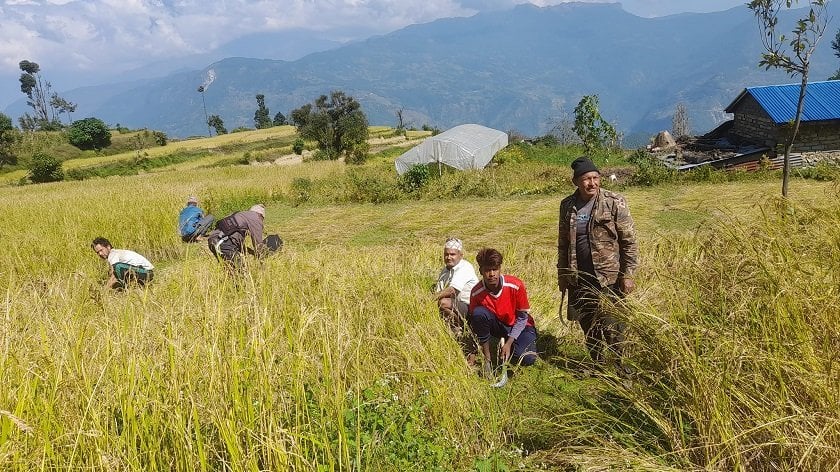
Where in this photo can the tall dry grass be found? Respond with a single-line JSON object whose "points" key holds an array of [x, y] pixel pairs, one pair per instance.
{"points": [[331, 356]]}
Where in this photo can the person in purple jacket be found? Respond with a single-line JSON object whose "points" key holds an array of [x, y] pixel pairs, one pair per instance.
{"points": [[227, 241]]}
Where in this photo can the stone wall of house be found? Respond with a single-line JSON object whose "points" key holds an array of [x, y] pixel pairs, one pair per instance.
{"points": [[817, 137], [752, 123]]}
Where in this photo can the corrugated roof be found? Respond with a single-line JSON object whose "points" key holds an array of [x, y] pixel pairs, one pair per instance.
{"points": [[822, 101]]}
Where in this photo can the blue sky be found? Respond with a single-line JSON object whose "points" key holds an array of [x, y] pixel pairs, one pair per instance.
{"points": [[79, 42]]}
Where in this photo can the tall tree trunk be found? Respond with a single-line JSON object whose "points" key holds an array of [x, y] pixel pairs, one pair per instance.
{"points": [[792, 137]]}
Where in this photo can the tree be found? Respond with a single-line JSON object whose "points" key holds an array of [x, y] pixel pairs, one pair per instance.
{"points": [[279, 119], [216, 122], [400, 119], [89, 133], [37, 91], [592, 129], [337, 123], [836, 46], [262, 118], [679, 124], [63, 106], [201, 90], [7, 138], [300, 115], [806, 35], [45, 168]]}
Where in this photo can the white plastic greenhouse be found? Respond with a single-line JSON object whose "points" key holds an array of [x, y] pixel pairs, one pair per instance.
{"points": [[463, 147]]}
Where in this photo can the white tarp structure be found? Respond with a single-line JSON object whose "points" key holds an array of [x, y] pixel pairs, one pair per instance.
{"points": [[462, 147]]}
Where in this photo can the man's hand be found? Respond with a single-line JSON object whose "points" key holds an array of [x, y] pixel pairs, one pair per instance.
{"points": [[562, 284], [627, 286], [506, 348]]}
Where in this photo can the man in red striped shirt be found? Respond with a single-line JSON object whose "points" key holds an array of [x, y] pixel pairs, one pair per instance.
{"points": [[499, 308]]}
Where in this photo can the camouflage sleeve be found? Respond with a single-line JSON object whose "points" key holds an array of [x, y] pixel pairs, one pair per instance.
{"points": [[563, 242], [628, 246]]}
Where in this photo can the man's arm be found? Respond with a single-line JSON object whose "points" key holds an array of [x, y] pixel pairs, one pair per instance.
{"points": [[112, 279], [448, 292], [628, 246]]}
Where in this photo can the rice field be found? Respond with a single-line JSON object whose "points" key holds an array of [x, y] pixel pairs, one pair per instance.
{"points": [[331, 355]]}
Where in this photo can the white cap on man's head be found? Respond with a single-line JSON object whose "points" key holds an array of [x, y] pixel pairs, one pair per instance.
{"points": [[454, 243], [192, 199], [258, 208]]}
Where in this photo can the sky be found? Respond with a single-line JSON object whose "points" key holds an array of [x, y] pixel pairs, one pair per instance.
{"points": [[87, 42]]}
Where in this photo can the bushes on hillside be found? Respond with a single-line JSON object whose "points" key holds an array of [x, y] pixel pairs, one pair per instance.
{"points": [[45, 168], [89, 133]]}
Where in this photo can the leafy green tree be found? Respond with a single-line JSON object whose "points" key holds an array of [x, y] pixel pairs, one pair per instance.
{"points": [[836, 46], [262, 118], [279, 119], [806, 35], [89, 133], [217, 123], [61, 105], [7, 139], [37, 91], [300, 115], [45, 168], [593, 130], [337, 123]]}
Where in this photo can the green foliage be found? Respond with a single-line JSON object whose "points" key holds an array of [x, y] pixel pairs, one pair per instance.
{"points": [[337, 123], [160, 138], [89, 133], [301, 189], [649, 169], [141, 163], [240, 129], [398, 431], [45, 168], [262, 118], [369, 185], [434, 129], [7, 140], [359, 154], [823, 171], [298, 146], [215, 121], [279, 119], [415, 178], [593, 130]]}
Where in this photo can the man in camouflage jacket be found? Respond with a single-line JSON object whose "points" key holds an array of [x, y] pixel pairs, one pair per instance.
{"points": [[597, 255]]}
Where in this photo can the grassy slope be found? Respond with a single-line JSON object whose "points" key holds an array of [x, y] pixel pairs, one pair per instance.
{"points": [[196, 373]]}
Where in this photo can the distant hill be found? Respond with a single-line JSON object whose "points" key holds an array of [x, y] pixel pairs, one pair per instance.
{"points": [[516, 69]]}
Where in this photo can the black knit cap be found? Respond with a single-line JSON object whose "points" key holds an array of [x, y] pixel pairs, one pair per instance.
{"points": [[582, 165]]}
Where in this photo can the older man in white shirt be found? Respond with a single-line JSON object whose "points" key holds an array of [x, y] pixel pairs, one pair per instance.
{"points": [[454, 284]]}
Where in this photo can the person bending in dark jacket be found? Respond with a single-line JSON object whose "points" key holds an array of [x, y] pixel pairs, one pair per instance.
{"points": [[227, 241]]}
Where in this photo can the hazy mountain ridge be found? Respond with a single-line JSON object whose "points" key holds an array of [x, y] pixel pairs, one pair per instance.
{"points": [[516, 69]]}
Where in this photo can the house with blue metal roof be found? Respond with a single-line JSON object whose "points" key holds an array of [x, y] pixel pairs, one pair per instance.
{"points": [[764, 116]]}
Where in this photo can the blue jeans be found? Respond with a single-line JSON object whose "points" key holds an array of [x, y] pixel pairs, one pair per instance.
{"points": [[484, 325]]}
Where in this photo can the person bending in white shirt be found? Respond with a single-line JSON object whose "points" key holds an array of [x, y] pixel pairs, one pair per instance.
{"points": [[124, 266]]}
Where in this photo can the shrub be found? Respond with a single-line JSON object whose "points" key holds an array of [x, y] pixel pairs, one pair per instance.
{"points": [[649, 170], [359, 154], [160, 138], [823, 171], [45, 168], [301, 190], [415, 178], [298, 146], [89, 133]]}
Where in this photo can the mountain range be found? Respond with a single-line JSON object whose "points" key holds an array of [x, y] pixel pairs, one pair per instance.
{"points": [[520, 69]]}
